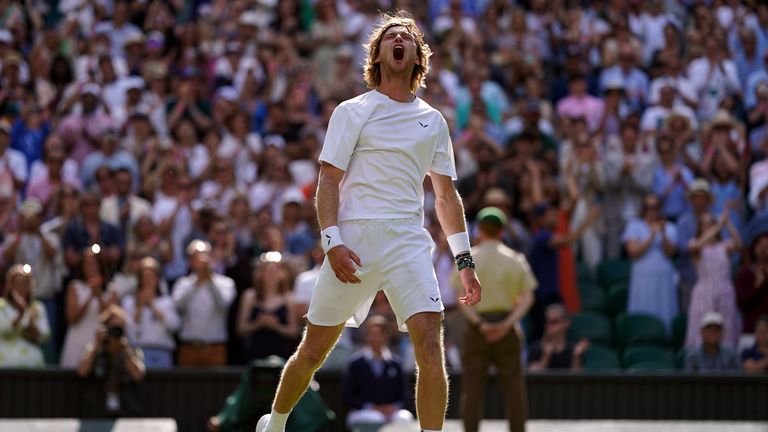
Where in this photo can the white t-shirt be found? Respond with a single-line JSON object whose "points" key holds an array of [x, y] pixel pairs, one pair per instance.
{"points": [[386, 148]]}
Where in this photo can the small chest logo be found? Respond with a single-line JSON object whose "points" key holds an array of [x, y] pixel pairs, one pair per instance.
{"points": [[434, 299], [423, 125]]}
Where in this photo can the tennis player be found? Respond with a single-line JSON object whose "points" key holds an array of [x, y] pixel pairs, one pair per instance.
{"points": [[378, 149]]}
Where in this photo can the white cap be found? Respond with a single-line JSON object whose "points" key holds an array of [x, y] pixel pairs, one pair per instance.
{"points": [[91, 88], [133, 82], [249, 18], [712, 318], [293, 195], [274, 140], [228, 93]]}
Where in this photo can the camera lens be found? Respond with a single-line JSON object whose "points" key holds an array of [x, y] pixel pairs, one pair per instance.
{"points": [[115, 332]]}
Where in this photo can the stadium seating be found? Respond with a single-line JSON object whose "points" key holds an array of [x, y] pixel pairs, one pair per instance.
{"points": [[610, 272], [679, 329], [592, 326], [638, 329], [641, 356], [593, 297], [600, 357], [618, 294]]}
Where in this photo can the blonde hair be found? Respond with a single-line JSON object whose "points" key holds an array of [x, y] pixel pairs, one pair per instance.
{"points": [[21, 270], [372, 71]]}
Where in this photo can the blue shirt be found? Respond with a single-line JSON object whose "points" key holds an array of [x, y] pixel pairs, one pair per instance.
{"points": [[543, 260], [29, 141], [635, 84], [676, 202]]}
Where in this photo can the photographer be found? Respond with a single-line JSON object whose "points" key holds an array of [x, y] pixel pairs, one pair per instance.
{"points": [[114, 366]]}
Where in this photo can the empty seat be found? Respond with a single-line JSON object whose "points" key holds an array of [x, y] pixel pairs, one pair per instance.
{"points": [[593, 297], [593, 326], [639, 329], [600, 357], [679, 330], [618, 295], [639, 355], [610, 272]]}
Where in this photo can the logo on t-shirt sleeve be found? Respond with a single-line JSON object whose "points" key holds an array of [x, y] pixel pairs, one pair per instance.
{"points": [[423, 125]]}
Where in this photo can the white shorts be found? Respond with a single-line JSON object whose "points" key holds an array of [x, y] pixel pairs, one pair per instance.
{"points": [[397, 258]]}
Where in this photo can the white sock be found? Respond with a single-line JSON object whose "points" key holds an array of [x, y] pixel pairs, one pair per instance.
{"points": [[277, 422]]}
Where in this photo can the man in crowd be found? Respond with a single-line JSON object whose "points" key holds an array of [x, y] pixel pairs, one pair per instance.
{"points": [[493, 336], [554, 350], [712, 356], [374, 384], [203, 299], [755, 359]]}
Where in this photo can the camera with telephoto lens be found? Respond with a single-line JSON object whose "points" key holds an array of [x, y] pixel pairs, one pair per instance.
{"points": [[115, 332]]}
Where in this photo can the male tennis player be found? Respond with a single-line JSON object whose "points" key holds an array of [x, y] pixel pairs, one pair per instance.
{"points": [[378, 149]]}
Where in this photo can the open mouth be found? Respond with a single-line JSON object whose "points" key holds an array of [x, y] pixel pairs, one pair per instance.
{"points": [[398, 52]]}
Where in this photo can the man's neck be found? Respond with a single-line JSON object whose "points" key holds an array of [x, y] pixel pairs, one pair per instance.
{"points": [[396, 88]]}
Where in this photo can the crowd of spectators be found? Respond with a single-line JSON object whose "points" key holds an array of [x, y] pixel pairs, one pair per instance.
{"points": [[158, 163]]}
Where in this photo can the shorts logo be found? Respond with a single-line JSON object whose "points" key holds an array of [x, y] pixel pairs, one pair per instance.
{"points": [[434, 299], [423, 125]]}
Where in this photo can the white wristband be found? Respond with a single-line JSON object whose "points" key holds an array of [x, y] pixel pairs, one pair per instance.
{"points": [[330, 238], [459, 242]]}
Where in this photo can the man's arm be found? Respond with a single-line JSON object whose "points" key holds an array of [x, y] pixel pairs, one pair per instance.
{"points": [[450, 213], [341, 258]]}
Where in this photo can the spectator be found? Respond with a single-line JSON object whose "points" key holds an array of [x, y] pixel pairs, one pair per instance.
{"points": [[112, 157], [267, 319], [374, 384], [671, 180], [23, 323], [80, 129], [755, 359], [42, 251], [114, 367], [152, 316], [13, 163], [714, 290], [578, 103], [124, 208], [172, 213], [711, 355], [651, 243], [87, 230], [700, 203], [633, 79], [628, 176], [752, 283], [554, 351], [544, 260], [203, 299], [87, 298], [45, 188], [493, 335], [146, 240]]}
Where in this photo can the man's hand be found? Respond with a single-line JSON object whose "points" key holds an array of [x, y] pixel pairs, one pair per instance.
{"points": [[471, 287], [494, 332], [343, 261], [581, 347]]}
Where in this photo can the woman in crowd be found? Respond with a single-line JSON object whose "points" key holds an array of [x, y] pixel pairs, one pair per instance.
{"points": [[267, 322], [86, 299], [650, 244], [152, 316], [714, 290], [23, 321]]}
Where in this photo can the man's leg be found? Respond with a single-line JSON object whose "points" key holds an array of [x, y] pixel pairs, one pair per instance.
{"points": [[506, 354], [298, 371], [425, 329], [475, 360]]}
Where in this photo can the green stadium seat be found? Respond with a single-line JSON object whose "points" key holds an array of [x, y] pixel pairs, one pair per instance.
{"points": [[646, 367], [638, 355], [593, 326], [583, 273], [679, 330], [639, 329], [680, 358], [593, 298], [600, 357], [618, 295], [610, 272]]}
